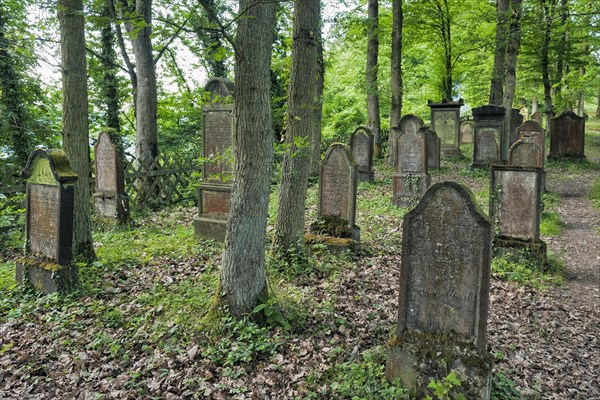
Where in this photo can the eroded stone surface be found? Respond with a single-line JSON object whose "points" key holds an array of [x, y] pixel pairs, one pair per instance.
{"points": [[361, 143], [491, 141], [445, 121], [567, 136]]}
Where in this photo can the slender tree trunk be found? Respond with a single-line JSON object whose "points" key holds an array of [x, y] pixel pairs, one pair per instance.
{"points": [[123, 49], [110, 87], [534, 105], [212, 41], [497, 86], [316, 140], [75, 120], [561, 55], [545, 61], [243, 273], [373, 117], [302, 102], [443, 10], [396, 73], [12, 97], [512, 51]]}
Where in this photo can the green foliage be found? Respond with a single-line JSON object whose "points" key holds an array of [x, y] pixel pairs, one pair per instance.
{"points": [[550, 223], [595, 193], [360, 378], [503, 388], [12, 221], [526, 273], [443, 389]]}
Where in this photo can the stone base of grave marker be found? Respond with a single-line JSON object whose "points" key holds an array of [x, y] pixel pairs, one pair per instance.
{"points": [[213, 209], [519, 251], [333, 244], [111, 206], [336, 228], [409, 188], [418, 357], [46, 276]]}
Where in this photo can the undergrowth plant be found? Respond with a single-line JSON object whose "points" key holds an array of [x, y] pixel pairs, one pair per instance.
{"points": [[527, 274]]}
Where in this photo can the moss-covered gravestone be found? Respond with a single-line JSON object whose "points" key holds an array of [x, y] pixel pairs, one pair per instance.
{"points": [[444, 291], [337, 195], [412, 178], [110, 200], [361, 143], [445, 121], [49, 214], [214, 193], [515, 206]]}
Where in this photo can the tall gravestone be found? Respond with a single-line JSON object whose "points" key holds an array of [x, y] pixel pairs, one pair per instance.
{"points": [[337, 194], [516, 119], [408, 123], [110, 200], [466, 132], [47, 265], [567, 136], [445, 121], [412, 178], [361, 143], [490, 144], [434, 147], [214, 192], [444, 289], [515, 203]]}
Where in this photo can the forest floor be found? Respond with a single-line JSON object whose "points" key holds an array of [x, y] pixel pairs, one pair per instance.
{"points": [[143, 325]]}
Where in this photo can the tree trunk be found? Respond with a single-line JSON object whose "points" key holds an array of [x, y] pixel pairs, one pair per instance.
{"points": [[497, 87], [512, 51], [446, 18], [560, 57], [396, 73], [316, 140], [110, 86], [534, 105], [545, 62], [75, 120], [12, 97], [373, 117], [243, 273]]}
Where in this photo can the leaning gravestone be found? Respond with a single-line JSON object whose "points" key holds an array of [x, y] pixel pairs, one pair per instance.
{"points": [[337, 194], [445, 121], [412, 178], [516, 119], [490, 137], [110, 200], [214, 192], [361, 143], [444, 289], [466, 132], [408, 123], [47, 265], [567, 136], [515, 203], [434, 146]]}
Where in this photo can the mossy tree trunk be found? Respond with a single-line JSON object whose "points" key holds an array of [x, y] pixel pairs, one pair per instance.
{"points": [[373, 117]]}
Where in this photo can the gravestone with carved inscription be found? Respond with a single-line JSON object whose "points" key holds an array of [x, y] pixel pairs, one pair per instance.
{"points": [[490, 137], [412, 178], [567, 137], [337, 194], [217, 173], [110, 200], [444, 294], [445, 121], [408, 123], [47, 265], [466, 132], [361, 143], [515, 204]]}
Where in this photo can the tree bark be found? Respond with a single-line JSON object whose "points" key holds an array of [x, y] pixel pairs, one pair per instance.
{"points": [[301, 124], [512, 51], [545, 61], [445, 22], [75, 120], [373, 117], [243, 274], [110, 87], [396, 72], [316, 140], [560, 57], [497, 86]]}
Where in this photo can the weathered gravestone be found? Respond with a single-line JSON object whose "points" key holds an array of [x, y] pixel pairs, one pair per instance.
{"points": [[361, 143], [525, 154], [408, 123], [110, 200], [214, 192], [490, 137], [515, 205], [337, 194], [445, 121], [567, 136], [412, 178], [532, 132], [47, 264], [516, 119], [434, 147], [466, 132], [444, 289]]}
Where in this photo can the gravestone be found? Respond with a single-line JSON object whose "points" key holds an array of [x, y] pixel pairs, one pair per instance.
{"points": [[525, 154], [47, 265], [110, 200], [445, 121], [537, 117], [490, 137], [412, 178], [361, 143], [515, 203], [408, 123], [466, 132], [567, 136], [531, 131], [434, 146], [444, 290], [214, 192], [337, 194], [516, 119]]}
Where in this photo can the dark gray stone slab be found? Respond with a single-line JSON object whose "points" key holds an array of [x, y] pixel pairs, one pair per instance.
{"points": [[567, 136], [491, 141], [361, 143]]}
